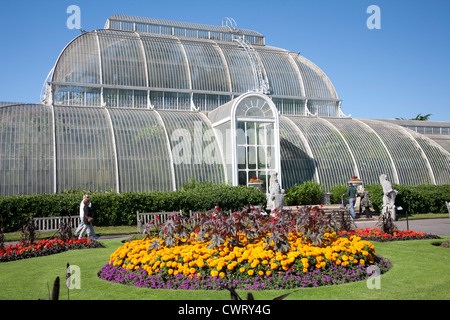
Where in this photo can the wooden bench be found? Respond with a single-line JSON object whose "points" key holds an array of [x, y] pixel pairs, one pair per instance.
{"points": [[144, 218], [49, 224]]}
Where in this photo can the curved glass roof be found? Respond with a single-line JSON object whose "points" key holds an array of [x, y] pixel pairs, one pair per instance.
{"points": [[194, 30], [49, 148], [139, 63], [147, 104]]}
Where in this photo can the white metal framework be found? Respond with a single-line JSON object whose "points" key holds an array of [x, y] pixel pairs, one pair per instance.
{"points": [[138, 63], [248, 127], [148, 104]]}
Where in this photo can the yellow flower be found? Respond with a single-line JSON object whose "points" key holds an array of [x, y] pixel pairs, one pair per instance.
{"points": [[250, 272], [268, 272], [222, 274], [214, 273], [242, 270], [261, 273]]}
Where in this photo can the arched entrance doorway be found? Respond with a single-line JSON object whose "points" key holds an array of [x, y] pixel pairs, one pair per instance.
{"points": [[249, 126]]}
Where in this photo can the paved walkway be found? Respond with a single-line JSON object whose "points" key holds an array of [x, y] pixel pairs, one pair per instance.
{"points": [[440, 227]]}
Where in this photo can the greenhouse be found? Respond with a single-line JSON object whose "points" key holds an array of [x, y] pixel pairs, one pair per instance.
{"points": [[147, 104]]}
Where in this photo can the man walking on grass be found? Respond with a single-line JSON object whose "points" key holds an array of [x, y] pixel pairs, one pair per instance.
{"points": [[85, 222]]}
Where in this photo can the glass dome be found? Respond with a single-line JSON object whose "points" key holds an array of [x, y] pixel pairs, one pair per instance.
{"points": [[131, 64]]}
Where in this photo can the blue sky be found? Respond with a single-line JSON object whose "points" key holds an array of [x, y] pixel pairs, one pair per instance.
{"points": [[400, 70]]}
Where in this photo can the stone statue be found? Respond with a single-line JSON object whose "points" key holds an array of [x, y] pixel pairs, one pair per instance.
{"points": [[389, 195], [275, 199]]}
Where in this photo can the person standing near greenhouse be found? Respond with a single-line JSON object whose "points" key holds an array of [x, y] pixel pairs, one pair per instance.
{"points": [[365, 202], [352, 194], [86, 219]]}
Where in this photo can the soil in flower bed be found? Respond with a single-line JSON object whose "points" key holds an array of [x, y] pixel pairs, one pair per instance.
{"points": [[376, 234], [334, 275], [24, 250]]}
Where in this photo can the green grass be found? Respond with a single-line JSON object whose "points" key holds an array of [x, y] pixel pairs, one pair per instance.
{"points": [[420, 271]]}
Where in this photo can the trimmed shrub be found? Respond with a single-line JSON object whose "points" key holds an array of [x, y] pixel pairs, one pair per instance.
{"points": [[114, 209], [308, 193], [414, 199], [336, 193]]}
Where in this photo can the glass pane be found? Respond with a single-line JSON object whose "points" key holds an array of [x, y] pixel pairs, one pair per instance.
{"points": [[262, 157], [270, 134], [243, 178], [265, 177], [270, 160], [251, 157], [126, 98], [157, 99], [240, 133], [261, 133], [252, 175], [241, 156], [110, 97], [251, 133]]}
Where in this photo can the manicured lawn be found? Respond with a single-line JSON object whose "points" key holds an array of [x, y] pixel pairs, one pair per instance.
{"points": [[420, 271]]}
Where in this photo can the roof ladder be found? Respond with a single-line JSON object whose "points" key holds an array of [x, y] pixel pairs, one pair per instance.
{"points": [[262, 84]]}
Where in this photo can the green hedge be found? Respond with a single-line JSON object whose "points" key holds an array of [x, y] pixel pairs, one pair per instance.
{"points": [[414, 199], [336, 193], [308, 193], [114, 209]]}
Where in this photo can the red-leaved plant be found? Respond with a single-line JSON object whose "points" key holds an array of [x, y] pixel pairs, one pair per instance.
{"points": [[251, 224]]}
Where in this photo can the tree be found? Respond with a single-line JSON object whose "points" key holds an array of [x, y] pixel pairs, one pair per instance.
{"points": [[419, 117]]}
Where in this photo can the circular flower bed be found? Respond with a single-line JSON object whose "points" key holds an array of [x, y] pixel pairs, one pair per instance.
{"points": [[24, 250], [194, 266], [245, 250]]}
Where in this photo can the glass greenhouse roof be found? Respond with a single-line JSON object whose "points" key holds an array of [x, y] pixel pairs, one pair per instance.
{"points": [[148, 104], [183, 29], [49, 148], [132, 68]]}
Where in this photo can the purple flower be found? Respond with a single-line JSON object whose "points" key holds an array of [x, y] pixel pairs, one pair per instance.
{"points": [[284, 280]]}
